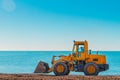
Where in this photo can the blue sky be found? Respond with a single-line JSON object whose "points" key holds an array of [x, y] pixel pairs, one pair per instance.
{"points": [[54, 24]]}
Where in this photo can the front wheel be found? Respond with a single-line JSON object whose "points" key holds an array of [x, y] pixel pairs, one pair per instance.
{"points": [[60, 69], [91, 69]]}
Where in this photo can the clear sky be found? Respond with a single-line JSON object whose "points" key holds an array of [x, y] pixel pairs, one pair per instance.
{"points": [[54, 24]]}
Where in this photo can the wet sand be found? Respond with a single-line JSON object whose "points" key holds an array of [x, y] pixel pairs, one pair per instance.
{"points": [[52, 77]]}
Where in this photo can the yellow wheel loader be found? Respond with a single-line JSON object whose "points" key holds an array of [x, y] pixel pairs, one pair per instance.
{"points": [[80, 60]]}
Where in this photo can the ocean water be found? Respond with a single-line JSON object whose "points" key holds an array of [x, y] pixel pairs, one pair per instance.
{"points": [[26, 61]]}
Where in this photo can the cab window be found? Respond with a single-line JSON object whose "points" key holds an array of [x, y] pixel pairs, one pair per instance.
{"points": [[75, 49], [81, 49]]}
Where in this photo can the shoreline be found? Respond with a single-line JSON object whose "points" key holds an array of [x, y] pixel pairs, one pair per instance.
{"points": [[4, 76]]}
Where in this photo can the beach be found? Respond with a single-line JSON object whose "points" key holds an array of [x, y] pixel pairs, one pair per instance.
{"points": [[52, 77]]}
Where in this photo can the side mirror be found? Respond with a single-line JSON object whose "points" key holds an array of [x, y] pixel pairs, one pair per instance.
{"points": [[97, 52], [90, 51], [73, 40]]}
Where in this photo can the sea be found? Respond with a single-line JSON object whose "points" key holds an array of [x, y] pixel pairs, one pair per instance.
{"points": [[26, 61]]}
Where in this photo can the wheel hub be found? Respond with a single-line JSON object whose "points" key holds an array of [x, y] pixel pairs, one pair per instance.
{"points": [[91, 69], [60, 68]]}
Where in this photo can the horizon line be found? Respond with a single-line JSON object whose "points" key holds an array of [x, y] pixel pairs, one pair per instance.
{"points": [[56, 50]]}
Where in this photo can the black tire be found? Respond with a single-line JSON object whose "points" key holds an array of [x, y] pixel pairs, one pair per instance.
{"points": [[68, 71], [91, 74], [65, 71]]}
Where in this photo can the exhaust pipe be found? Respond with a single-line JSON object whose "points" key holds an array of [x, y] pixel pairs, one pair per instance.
{"points": [[42, 67]]}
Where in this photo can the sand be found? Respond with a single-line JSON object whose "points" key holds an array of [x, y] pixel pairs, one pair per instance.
{"points": [[52, 77]]}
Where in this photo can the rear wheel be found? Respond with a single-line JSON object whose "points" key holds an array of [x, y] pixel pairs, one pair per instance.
{"points": [[60, 68], [68, 71], [91, 69]]}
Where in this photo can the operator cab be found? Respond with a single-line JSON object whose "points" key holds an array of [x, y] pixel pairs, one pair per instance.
{"points": [[77, 50]]}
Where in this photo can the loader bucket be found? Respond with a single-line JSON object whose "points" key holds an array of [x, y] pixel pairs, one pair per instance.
{"points": [[42, 67]]}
